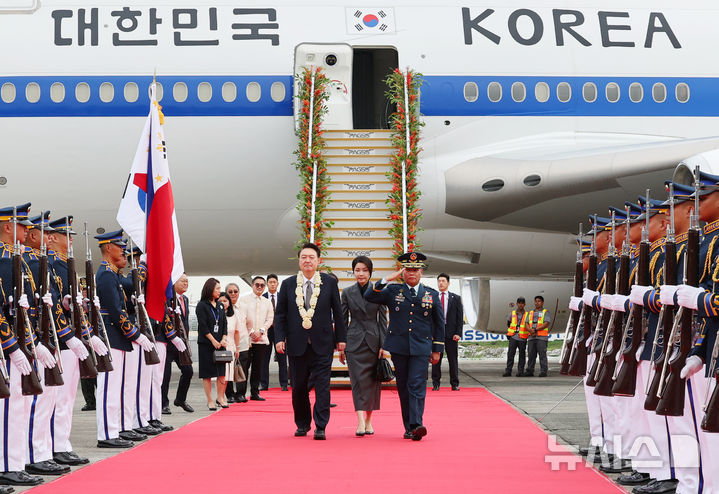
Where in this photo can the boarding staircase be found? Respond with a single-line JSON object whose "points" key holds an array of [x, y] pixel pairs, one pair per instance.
{"points": [[357, 162]]}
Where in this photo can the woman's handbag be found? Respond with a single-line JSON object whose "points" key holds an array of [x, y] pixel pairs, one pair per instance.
{"points": [[222, 356], [384, 372], [239, 372]]}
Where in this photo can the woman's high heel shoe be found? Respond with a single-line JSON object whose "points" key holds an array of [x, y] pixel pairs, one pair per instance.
{"points": [[221, 405], [369, 431], [211, 408]]}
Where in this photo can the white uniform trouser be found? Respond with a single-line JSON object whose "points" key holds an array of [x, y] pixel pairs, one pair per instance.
{"points": [[622, 426], [685, 446], [13, 424], [129, 390], [143, 373], [606, 404], [61, 423], [158, 372], [39, 439], [594, 411], [708, 441], [650, 441], [109, 397]]}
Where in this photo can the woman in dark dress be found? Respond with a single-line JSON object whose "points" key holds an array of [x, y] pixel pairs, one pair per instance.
{"points": [[211, 336], [366, 326]]}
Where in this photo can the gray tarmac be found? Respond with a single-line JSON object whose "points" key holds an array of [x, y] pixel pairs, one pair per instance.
{"points": [[533, 396]]}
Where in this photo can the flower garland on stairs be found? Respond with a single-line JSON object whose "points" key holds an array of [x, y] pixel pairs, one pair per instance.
{"points": [[398, 125], [306, 161]]}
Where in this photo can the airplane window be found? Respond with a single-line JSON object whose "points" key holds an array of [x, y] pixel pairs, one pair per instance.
{"points": [[277, 92], [541, 92], [682, 92], [471, 92], [532, 180], [636, 92], [564, 92], [204, 92], [589, 92], [493, 185], [131, 92], [107, 92], [159, 92], [82, 92], [179, 92], [659, 92], [494, 92], [32, 92], [519, 92], [612, 92], [7, 92], [253, 92], [57, 92], [229, 92]]}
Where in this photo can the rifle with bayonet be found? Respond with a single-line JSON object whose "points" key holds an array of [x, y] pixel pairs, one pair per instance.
{"points": [[612, 343], [186, 356], [578, 356], [666, 315], [88, 367], [143, 319], [104, 362], [672, 388], [23, 329], [625, 381], [48, 330], [606, 317], [574, 320]]}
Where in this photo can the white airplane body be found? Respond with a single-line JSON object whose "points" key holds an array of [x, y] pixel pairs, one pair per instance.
{"points": [[535, 117]]}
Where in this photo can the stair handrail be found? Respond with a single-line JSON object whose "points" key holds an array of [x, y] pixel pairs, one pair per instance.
{"points": [[404, 164], [314, 162]]}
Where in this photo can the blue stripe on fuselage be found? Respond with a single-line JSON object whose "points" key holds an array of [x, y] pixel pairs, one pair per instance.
{"points": [[441, 96]]}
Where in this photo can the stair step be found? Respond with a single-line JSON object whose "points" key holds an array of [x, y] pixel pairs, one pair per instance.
{"points": [[362, 233], [359, 178], [360, 243], [358, 160], [358, 134], [359, 186], [358, 205], [379, 253], [358, 168], [342, 214]]}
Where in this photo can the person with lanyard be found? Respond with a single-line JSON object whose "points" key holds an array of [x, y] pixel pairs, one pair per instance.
{"points": [[211, 336], [415, 335]]}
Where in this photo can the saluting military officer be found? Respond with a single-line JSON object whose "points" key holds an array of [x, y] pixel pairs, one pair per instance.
{"points": [[415, 335], [16, 408], [59, 243], [121, 333]]}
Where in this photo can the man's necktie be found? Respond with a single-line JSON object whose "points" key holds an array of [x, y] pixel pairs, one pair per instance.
{"points": [[412, 293], [308, 295], [272, 298], [444, 307]]}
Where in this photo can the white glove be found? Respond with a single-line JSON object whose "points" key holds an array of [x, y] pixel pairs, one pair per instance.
{"points": [[687, 296], [606, 301], [178, 311], [145, 343], [574, 303], [20, 362], [143, 258], [619, 302], [666, 294], [639, 351], [78, 348], [179, 344], [619, 356], [96, 301], [22, 301], [588, 295], [141, 299], [636, 295], [693, 365], [47, 298], [44, 356], [66, 302], [98, 345], [79, 300]]}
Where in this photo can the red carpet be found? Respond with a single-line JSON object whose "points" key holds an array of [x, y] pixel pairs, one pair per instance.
{"points": [[476, 443]]}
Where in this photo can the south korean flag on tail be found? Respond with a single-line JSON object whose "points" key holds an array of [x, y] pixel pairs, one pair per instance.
{"points": [[361, 20]]}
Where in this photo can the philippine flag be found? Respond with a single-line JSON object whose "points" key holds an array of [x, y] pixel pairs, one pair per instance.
{"points": [[147, 212]]}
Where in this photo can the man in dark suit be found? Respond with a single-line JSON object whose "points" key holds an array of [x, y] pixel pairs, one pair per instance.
{"points": [[307, 305], [280, 358], [451, 304], [173, 356], [415, 335]]}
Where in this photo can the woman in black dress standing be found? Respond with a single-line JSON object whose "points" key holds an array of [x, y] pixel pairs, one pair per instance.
{"points": [[366, 326], [211, 336]]}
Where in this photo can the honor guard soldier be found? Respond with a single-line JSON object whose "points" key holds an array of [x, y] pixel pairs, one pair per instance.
{"points": [[16, 407], [42, 409], [60, 234], [121, 333], [415, 335]]}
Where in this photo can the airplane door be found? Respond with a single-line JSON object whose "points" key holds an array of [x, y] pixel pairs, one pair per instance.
{"points": [[336, 62]]}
